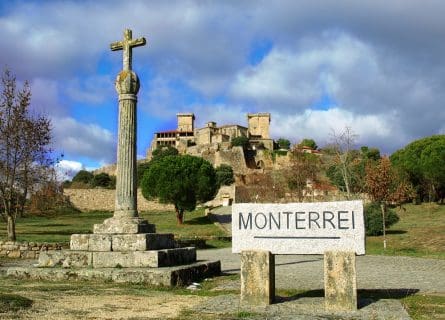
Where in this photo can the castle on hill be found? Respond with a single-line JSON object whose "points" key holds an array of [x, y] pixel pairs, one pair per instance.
{"points": [[196, 141]]}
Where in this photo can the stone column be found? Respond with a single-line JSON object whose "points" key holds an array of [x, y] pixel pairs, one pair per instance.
{"points": [[127, 86]]}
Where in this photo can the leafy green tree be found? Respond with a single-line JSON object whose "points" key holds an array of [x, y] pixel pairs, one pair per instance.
{"points": [[102, 180], [83, 176], [423, 162], [141, 168], [308, 143], [370, 153], [224, 175], [283, 143], [180, 180], [240, 142], [163, 151]]}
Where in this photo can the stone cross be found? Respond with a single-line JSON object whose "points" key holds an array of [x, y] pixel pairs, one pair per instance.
{"points": [[127, 46], [127, 87]]}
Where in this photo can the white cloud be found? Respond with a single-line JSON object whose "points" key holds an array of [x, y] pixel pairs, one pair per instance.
{"points": [[320, 124], [67, 169], [84, 140]]}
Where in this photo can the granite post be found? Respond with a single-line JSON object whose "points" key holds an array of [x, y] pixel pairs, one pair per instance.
{"points": [[340, 281], [257, 278]]}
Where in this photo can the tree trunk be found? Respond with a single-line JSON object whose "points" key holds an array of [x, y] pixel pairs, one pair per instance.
{"points": [[11, 228], [179, 215], [383, 207]]}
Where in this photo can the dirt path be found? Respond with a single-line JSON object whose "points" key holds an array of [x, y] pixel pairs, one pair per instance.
{"points": [[70, 306]]}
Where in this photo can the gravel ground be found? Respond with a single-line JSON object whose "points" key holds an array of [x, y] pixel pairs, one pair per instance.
{"points": [[373, 272]]}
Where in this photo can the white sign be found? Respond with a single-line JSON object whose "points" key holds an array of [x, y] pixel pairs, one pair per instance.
{"points": [[299, 228]]}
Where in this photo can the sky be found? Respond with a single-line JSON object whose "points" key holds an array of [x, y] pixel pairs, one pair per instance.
{"points": [[316, 66]]}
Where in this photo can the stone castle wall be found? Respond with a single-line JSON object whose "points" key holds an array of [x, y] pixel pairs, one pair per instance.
{"points": [[103, 199], [25, 250]]}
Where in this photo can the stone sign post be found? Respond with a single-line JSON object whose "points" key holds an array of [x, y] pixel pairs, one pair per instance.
{"points": [[334, 229]]}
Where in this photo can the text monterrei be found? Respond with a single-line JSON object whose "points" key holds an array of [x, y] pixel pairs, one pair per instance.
{"points": [[299, 228]]}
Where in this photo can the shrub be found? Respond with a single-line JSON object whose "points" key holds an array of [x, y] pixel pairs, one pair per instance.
{"points": [[224, 175], [283, 143], [373, 219], [83, 176], [240, 142], [102, 180]]}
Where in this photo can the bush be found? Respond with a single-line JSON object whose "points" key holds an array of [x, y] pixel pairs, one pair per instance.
{"points": [[102, 180], [83, 176], [373, 219], [224, 175], [240, 142]]}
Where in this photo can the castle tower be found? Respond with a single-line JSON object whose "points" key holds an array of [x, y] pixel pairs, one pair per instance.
{"points": [[258, 125], [185, 122]]}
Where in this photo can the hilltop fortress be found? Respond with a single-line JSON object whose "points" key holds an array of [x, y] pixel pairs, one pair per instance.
{"points": [[213, 142], [186, 136]]}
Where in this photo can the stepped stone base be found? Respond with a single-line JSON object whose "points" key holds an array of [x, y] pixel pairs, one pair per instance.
{"points": [[114, 259], [122, 249], [124, 226], [122, 242], [167, 276]]}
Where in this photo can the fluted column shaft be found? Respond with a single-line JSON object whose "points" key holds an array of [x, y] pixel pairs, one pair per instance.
{"points": [[126, 189]]}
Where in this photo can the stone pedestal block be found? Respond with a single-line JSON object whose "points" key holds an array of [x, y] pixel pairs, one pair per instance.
{"points": [[65, 258], [122, 242], [143, 259], [257, 278], [340, 281], [142, 241], [124, 226]]}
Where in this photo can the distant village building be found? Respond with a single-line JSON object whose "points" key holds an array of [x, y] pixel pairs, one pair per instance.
{"points": [[186, 136]]}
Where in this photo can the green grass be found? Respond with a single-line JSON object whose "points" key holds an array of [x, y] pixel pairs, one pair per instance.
{"points": [[13, 303], [419, 233], [418, 306], [59, 227]]}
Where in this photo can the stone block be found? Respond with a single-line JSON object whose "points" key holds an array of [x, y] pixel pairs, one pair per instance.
{"points": [[79, 242], [170, 276], [141, 259], [124, 226], [65, 258], [142, 242], [257, 278], [14, 254], [340, 281], [99, 242]]}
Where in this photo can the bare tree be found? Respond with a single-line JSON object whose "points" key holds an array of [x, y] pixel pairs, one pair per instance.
{"points": [[24, 150], [304, 168], [342, 144]]}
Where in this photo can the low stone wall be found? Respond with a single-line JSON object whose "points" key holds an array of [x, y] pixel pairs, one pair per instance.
{"points": [[103, 199], [25, 250]]}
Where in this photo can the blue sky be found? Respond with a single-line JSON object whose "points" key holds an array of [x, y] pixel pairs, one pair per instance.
{"points": [[316, 66]]}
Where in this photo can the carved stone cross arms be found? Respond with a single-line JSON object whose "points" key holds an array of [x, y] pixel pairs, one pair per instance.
{"points": [[127, 45]]}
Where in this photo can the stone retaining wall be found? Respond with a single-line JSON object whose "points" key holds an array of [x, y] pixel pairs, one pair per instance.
{"points": [[25, 250], [103, 199]]}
